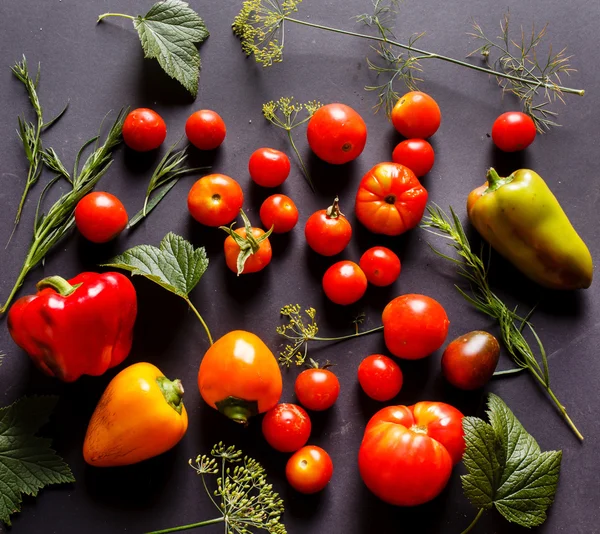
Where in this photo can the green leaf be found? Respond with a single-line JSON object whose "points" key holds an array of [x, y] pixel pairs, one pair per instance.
{"points": [[506, 468], [169, 32], [176, 265], [27, 463]]}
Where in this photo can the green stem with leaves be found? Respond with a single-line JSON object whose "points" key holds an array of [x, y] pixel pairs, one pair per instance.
{"points": [[104, 15], [474, 522]]}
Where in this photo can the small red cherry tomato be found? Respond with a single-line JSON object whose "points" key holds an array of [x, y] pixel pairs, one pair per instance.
{"points": [[414, 326], [215, 200], [380, 377], [286, 427], [317, 389], [344, 283], [416, 154], [328, 232], [381, 266], [513, 131], [309, 470], [336, 133], [416, 115], [280, 212], [144, 130], [100, 217], [205, 129], [269, 167]]}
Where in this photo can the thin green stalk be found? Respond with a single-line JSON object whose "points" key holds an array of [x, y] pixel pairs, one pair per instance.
{"points": [[304, 169], [349, 336], [470, 527], [193, 308], [190, 526], [104, 15]]}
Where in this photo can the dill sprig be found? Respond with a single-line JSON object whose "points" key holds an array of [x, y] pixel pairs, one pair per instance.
{"points": [[166, 175], [284, 113], [472, 268], [245, 500], [50, 228]]}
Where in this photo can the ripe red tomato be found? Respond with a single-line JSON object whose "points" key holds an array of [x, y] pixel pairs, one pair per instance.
{"points": [[100, 217], [280, 212], [317, 389], [390, 199], [381, 266], [416, 154], [144, 130], [470, 360], [255, 262], [309, 470], [336, 133], [407, 453], [380, 377], [328, 232], [416, 115], [205, 129], [513, 131], [344, 283], [286, 427], [414, 326], [269, 167], [215, 200]]}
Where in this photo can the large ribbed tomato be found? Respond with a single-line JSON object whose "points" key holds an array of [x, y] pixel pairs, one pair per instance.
{"points": [[407, 452], [390, 199]]}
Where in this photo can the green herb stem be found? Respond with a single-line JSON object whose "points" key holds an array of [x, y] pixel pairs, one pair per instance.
{"points": [[304, 169], [104, 15], [472, 525], [349, 336], [193, 308], [190, 526]]}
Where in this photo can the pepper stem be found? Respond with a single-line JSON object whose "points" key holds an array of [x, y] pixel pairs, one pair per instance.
{"points": [[493, 178], [172, 391], [59, 284], [238, 410]]}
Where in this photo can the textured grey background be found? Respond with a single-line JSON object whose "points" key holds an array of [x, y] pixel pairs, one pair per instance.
{"points": [[99, 68]]}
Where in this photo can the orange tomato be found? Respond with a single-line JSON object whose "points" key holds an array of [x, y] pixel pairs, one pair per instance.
{"points": [[215, 200], [257, 261], [140, 415], [239, 376]]}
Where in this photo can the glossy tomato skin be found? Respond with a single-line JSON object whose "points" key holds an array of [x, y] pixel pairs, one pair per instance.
{"points": [[381, 266], [470, 360], [144, 130], [416, 154], [327, 232], [286, 427], [390, 199], [205, 129], [336, 133], [257, 261], [513, 131], [269, 167], [100, 217], [414, 326], [309, 470], [407, 453], [215, 200], [344, 283], [416, 115], [317, 389], [380, 377], [280, 212]]}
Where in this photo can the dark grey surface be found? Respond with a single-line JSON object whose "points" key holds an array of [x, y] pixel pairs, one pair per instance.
{"points": [[99, 68]]}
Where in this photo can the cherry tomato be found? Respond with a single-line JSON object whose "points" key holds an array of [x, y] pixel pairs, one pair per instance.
{"points": [[328, 232], [100, 217], [414, 326], [470, 360], [269, 167], [215, 200], [344, 283], [416, 115], [205, 129], [381, 266], [144, 130], [317, 389], [380, 377], [286, 427], [390, 199], [407, 453], [309, 470], [416, 154], [255, 262], [513, 131], [336, 133], [280, 212]]}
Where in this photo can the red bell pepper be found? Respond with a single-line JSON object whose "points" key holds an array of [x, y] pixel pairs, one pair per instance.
{"points": [[75, 327]]}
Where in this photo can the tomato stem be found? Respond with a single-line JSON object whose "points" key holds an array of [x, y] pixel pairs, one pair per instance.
{"points": [[192, 307], [470, 527], [190, 526]]}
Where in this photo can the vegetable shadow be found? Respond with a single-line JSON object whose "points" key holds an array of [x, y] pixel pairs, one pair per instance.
{"points": [[331, 180], [141, 164], [157, 87], [508, 162]]}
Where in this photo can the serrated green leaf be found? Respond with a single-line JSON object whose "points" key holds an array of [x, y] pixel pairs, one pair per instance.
{"points": [[176, 265], [170, 32], [27, 463]]}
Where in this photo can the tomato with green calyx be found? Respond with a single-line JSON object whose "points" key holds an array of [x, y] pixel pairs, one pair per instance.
{"points": [[309, 470], [416, 154], [344, 283], [100, 217], [380, 377], [205, 129], [280, 213], [381, 266], [286, 427], [215, 200], [144, 130], [328, 232], [269, 167], [416, 115], [317, 388], [513, 131]]}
